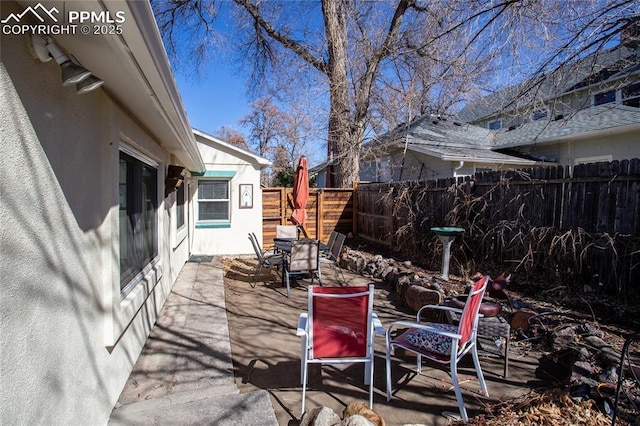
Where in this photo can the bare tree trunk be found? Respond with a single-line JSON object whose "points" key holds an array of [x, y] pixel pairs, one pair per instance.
{"points": [[335, 21]]}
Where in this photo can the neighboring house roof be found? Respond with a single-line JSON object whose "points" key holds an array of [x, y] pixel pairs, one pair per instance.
{"points": [[433, 129], [609, 118], [447, 140], [320, 167], [219, 144], [598, 68], [475, 154], [136, 72]]}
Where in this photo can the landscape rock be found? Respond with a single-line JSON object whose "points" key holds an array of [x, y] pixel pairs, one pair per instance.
{"points": [[563, 338], [402, 282], [320, 416], [418, 296], [389, 274], [609, 375], [596, 342], [357, 420]]}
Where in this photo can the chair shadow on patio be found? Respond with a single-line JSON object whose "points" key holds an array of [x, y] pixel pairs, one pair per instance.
{"points": [[329, 380], [266, 375], [243, 269]]}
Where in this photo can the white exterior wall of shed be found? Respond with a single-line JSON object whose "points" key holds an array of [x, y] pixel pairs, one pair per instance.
{"points": [[68, 342], [233, 239]]}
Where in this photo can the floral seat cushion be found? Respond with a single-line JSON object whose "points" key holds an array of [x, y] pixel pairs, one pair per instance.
{"points": [[431, 341]]}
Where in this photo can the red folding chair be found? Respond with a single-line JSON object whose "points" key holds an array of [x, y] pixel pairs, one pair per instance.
{"points": [[338, 328], [442, 343]]}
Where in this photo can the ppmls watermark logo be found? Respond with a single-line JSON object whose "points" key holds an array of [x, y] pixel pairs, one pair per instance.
{"points": [[42, 21]]}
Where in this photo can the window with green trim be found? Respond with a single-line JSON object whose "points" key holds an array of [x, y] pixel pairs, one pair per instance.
{"points": [[213, 200]]}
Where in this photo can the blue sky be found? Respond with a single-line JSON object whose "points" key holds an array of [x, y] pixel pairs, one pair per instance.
{"points": [[216, 97], [213, 99]]}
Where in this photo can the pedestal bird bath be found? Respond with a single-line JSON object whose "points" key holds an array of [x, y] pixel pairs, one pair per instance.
{"points": [[447, 235]]}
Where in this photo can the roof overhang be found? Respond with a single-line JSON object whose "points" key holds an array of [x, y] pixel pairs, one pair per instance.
{"points": [[475, 155], [589, 123], [590, 134], [214, 142], [135, 70]]}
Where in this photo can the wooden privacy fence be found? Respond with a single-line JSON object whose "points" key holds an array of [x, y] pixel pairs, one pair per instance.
{"points": [[587, 224], [327, 210]]}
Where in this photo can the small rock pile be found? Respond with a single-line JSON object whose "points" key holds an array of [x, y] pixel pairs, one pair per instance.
{"points": [[578, 355], [354, 414], [412, 288]]}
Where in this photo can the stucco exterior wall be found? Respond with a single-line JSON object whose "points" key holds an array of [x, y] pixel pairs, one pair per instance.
{"points": [[68, 340], [232, 237], [419, 167], [603, 147]]}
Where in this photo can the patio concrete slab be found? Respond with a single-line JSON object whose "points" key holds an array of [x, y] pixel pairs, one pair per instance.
{"points": [[225, 353], [185, 374], [266, 354]]}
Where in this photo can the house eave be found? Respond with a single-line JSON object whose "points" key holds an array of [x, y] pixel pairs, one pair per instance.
{"points": [[478, 157], [611, 131], [212, 141], [135, 70]]}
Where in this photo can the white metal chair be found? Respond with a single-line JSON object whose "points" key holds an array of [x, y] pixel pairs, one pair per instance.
{"points": [[286, 231], [305, 257], [338, 328], [442, 343], [264, 260]]}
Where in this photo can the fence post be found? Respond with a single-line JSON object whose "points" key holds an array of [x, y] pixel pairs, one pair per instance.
{"points": [[320, 215], [354, 220], [283, 206]]}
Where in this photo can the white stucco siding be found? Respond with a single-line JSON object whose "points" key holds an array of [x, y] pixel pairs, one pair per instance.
{"points": [[59, 295], [419, 166], [608, 147], [229, 237]]}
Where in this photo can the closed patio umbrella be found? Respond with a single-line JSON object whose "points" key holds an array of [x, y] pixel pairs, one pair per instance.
{"points": [[300, 194]]}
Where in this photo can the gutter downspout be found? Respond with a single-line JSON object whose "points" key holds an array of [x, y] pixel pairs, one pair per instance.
{"points": [[458, 167], [406, 142], [404, 153]]}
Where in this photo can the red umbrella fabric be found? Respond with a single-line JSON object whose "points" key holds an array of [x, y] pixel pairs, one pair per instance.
{"points": [[300, 193]]}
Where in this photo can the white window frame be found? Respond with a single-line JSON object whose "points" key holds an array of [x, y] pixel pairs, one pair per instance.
{"points": [[214, 200], [540, 113], [140, 275], [619, 95], [180, 231], [622, 98], [499, 123], [383, 169], [616, 99], [121, 307], [484, 168]]}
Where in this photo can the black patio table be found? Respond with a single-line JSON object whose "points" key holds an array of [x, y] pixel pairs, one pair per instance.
{"points": [[284, 244]]}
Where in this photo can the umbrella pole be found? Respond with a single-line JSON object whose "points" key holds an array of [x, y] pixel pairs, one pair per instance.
{"points": [[304, 231]]}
